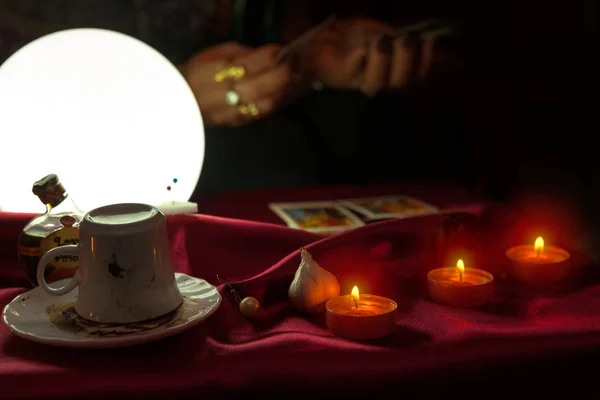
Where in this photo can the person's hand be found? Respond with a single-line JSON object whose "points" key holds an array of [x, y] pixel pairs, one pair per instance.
{"points": [[364, 54], [255, 87]]}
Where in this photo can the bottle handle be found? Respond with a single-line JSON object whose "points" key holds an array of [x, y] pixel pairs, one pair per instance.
{"points": [[70, 249]]}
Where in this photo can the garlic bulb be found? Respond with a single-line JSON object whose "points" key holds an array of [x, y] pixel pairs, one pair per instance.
{"points": [[312, 285]]}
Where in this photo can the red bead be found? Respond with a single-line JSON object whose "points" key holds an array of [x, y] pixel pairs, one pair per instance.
{"points": [[168, 187]]}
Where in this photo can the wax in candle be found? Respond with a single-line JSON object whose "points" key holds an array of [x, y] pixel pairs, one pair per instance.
{"points": [[364, 308], [472, 288], [465, 281], [541, 265], [375, 316], [528, 254]]}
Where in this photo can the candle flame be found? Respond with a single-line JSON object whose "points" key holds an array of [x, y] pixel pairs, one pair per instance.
{"points": [[355, 295], [539, 245], [461, 266]]}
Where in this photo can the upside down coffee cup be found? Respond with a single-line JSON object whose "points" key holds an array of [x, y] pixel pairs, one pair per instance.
{"points": [[125, 271]]}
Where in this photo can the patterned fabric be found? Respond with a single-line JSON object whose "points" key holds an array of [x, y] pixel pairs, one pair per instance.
{"points": [[176, 28]]}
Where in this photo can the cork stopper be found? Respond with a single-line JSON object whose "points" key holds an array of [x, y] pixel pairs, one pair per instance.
{"points": [[49, 190]]}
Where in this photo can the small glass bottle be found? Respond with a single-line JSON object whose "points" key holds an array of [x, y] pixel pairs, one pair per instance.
{"points": [[58, 226]]}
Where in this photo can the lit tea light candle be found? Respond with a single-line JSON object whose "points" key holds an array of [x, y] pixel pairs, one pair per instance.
{"points": [[460, 287], [539, 264], [357, 316]]}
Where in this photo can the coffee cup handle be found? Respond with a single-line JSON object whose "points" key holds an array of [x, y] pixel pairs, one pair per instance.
{"points": [[70, 249]]}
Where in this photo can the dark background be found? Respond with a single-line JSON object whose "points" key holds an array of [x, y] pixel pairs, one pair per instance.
{"points": [[513, 120], [523, 98]]}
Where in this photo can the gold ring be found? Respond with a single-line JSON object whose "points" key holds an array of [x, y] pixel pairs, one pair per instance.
{"points": [[234, 72], [249, 110]]}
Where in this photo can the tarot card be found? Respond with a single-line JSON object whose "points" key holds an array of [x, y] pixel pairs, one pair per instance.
{"points": [[324, 217], [392, 206]]}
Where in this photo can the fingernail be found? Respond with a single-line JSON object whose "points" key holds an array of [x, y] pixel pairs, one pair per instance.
{"points": [[385, 44], [412, 40]]}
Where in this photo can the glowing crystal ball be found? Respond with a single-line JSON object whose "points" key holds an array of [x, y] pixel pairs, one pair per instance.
{"points": [[112, 117]]}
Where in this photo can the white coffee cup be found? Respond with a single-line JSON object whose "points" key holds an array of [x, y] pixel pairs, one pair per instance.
{"points": [[125, 271]]}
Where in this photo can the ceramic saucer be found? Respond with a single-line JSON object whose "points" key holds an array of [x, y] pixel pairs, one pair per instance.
{"points": [[43, 318]]}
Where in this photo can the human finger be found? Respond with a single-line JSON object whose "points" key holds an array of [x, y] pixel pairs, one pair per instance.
{"points": [[224, 50], [353, 66], [338, 69], [401, 63], [201, 68], [251, 89], [276, 80], [246, 112], [426, 59], [246, 64], [378, 64], [403, 60], [258, 60], [357, 29]]}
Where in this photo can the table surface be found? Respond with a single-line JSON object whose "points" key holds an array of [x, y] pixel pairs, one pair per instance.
{"points": [[435, 350]]}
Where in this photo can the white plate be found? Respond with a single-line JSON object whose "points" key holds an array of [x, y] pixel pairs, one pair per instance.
{"points": [[43, 318]]}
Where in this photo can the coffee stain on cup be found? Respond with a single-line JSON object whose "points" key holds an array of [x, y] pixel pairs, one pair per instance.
{"points": [[115, 269], [64, 317]]}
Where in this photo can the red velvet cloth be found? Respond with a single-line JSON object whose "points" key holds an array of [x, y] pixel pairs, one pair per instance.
{"points": [[289, 355]]}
